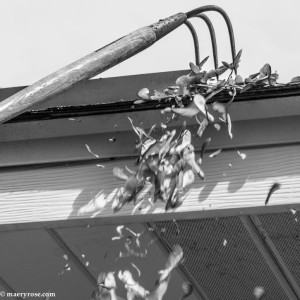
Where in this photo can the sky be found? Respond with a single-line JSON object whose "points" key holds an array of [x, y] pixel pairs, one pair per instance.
{"points": [[39, 37]]}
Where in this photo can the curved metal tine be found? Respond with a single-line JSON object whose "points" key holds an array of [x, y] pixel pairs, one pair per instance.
{"points": [[218, 9], [195, 39], [212, 37]]}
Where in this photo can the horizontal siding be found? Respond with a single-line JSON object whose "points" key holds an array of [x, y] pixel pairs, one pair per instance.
{"points": [[85, 191]]}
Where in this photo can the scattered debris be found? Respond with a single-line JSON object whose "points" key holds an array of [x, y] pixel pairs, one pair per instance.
{"points": [[138, 270], [88, 149], [242, 155], [215, 153], [275, 187], [259, 292]]}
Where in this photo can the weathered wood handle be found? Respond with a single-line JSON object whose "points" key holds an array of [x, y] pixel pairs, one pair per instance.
{"points": [[88, 67]]}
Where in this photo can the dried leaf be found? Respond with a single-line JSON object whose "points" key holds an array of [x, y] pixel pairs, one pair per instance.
{"points": [[216, 153], [136, 102], [217, 126], [188, 111], [273, 79], [229, 126], [188, 178], [202, 126], [254, 75], [295, 79], [274, 188], [220, 108], [119, 173], [259, 292], [138, 270], [144, 94], [236, 60], [220, 70], [100, 166], [239, 79], [89, 149], [242, 155], [195, 69], [265, 71], [187, 289], [164, 126], [203, 62], [227, 65]]}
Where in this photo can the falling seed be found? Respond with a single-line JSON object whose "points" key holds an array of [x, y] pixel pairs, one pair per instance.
{"points": [[89, 149], [225, 243], [138, 102], [242, 155], [274, 188], [293, 211], [215, 153], [72, 119], [138, 270], [258, 292], [112, 140], [217, 126]]}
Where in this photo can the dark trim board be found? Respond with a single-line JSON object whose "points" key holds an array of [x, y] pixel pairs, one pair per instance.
{"points": [[27, 146]]}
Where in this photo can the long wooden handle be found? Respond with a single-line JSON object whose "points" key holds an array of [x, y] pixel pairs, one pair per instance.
{"points": [[88, 67]]}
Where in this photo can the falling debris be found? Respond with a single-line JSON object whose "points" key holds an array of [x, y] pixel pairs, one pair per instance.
{"points": [[87, 264], [100, 166], [229, 126], [259, 292], [76, 120], [66, 268], [225, 242], [230, 165], [65, 256], [82, 255], [163, 126], [242, 155], [137, 235], [215, 153], [112, 140], [293, 211], [119, 230], [274, 188], [144, 94], [217, 126], [89, 149], [187, 289], [138, 270], [177, 227]]}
